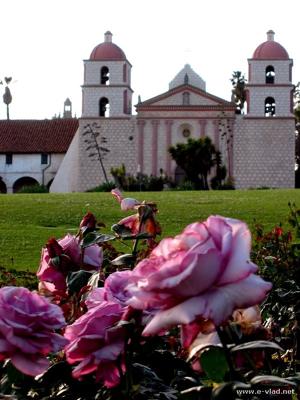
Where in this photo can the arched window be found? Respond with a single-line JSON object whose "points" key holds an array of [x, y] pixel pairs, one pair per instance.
{"points": [[3, 188], [125, 102], [270, 74], [104, 107], [270, 107], [124, 73], [104, 76], [186, 98], [24, 182]]}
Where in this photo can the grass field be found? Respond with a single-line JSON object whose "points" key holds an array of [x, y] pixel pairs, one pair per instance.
{"points": [[28, 220]]}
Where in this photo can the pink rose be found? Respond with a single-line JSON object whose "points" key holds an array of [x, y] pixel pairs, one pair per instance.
{"points": [[205, 273], [70, 259], [88, 222], [132, 222], [27, 329], [142, 222], [127, 203], [97, 343], [114, 290]]}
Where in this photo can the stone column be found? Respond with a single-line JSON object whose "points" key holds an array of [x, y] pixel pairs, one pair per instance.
{"points": [[169, 124], [140, 155], [216, 134], [155, 124], [202, 123], [230, 126]]}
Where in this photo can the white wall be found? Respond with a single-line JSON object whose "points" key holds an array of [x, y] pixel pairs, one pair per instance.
{"points": [[28, 165]]}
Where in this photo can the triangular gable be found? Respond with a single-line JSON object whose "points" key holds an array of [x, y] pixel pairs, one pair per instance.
{"points": [[174, 97]]}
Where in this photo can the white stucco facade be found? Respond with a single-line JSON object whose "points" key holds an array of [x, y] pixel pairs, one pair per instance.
{"points": [[28, 166]]}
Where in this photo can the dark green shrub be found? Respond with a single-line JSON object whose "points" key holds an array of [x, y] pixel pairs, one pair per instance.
{"points": [[34, 189], [104, 187]]}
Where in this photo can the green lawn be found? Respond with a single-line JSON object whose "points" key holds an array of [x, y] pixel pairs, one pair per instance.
{"points": [[28, 220]]}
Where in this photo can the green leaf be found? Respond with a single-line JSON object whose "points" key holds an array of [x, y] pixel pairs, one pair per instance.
{"points": [[214, 364], [143, 235], [257, 344], [94, 238], [121, 230], [271, 379], [55, 261], [196, 393], [94, 280], [124, 259], [77, 280], [199, 348]]}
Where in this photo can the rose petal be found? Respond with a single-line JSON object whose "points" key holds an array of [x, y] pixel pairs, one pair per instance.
{"points": [[32, 365], [216, 304]]}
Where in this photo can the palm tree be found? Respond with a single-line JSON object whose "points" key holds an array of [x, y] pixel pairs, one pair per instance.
{"points": [[238, 96], [7, 97]]}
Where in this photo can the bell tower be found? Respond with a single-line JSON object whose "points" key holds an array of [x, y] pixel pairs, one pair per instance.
{"points": [[264, 139], [270, 88], [107, 78]]}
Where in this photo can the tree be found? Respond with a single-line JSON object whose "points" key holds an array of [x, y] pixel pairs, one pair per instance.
{"points": [[97, 151], [238, 96], [297, 133], [196, 158], [7, 97]]}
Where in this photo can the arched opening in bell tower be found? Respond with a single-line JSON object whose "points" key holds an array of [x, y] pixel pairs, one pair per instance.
{"points": [[104, 76], [270, 74], [270, 107], [104, 107]]}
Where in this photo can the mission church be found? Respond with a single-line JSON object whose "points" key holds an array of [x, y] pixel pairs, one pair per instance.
{"points": [[257, 147]]}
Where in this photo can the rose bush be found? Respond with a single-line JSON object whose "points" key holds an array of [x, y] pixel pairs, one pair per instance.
{"points": [[28, 323], [132, 324], [203, 273]]}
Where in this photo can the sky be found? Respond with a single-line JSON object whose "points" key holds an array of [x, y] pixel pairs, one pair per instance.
{"points": [[43, 44]]}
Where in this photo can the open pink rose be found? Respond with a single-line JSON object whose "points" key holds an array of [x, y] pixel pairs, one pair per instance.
{"points": [[97, 344], [27, 329], [205, 273], [69, 252]]}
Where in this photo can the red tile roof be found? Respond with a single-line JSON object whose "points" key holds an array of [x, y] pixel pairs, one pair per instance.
{"points": [[37, 136]]}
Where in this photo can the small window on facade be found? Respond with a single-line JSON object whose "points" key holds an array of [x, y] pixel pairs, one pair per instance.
{"points": [[125, 102], [186, 99], [104, 78], [124, 73], [270, 107], [270, 74], [103, 107], [44, 158], [8, 158]]}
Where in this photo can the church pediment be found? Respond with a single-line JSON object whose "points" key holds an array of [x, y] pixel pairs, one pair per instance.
{"points": [[184, 96]]}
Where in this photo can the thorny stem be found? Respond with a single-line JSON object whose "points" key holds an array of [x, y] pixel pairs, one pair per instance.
{"points": [[227, 353]]}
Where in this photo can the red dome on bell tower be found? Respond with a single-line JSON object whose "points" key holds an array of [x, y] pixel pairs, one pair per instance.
{"points": [[107, 51], [270, 50]]}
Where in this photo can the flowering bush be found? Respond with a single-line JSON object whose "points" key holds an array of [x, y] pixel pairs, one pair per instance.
{"points": [[178, 319]]}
